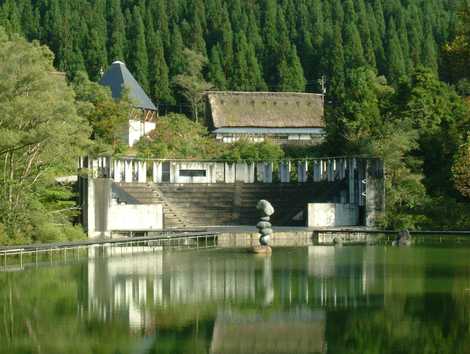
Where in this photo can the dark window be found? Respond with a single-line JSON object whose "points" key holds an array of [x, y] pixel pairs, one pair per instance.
{"points": [[166, 171], [192, 173]]}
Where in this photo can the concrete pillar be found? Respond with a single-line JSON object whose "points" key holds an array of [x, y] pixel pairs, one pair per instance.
{"points": [[251, 173], [241, 172], [317, 170], [128, 171], [322, 170], [341, 169], [94, 166], [174, 171], [330, 171], [142, 172], [213, 173], [117, 171], [260, 172], [268, 172], [351, 182], [157, 172], [374, 192], [90, 203], [229, 172], [284, 171], [302, 171], [219, 172]]}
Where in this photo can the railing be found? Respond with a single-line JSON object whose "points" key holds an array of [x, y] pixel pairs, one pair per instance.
{"points": [[135, 170], [18, 257]]}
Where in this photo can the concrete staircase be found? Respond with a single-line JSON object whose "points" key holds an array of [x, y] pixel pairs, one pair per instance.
{"points": [[133, 193], [198, 205], [201, 204]]}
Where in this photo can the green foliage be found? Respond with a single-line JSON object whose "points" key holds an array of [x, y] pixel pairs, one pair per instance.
{"points": [[249, 151], [461, 169], [177, 137], [269, 44], [191, 83], [416, 129], [41, 134], [107, 117]]}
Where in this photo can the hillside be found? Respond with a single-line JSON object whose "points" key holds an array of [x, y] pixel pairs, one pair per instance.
{"points": [[280, 45]]}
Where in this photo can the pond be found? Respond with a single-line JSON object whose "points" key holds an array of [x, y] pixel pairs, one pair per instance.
{"points": [[315, 299]]}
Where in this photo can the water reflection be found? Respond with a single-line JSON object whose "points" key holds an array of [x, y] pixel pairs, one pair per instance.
{"points": [[312, 299]]}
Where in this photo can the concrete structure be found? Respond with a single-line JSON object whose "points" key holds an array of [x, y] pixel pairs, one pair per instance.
{"points": [[142, 119], [345, 191], [102, 214], [285, 117], [332, 215]]}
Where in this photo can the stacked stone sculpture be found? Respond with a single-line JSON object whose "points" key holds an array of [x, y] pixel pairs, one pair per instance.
{"points": [[402, 239], [264, 226]]}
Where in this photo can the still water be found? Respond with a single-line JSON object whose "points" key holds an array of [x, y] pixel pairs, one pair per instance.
{"points": [[300, 300]]}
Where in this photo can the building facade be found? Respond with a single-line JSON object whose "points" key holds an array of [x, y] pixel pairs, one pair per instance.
{"points": [[284, 117], [142, 118]]}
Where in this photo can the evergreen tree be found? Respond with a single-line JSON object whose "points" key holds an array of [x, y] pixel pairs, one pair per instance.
{"points": [[353, 51], [176, 52], [138, 58], [337, 65], [161, 81], [216, 70], [239, 72], [429, 51], [396, 63], [291, 75], [117, 32], [95, 53]]}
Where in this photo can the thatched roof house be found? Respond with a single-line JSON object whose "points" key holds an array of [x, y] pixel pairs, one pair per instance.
{"points": [[279, 115]]}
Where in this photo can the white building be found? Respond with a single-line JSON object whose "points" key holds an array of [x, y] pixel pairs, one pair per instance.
{"points": [[142, 119]]}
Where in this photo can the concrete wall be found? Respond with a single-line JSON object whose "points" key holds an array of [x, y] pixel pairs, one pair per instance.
{"points": [[138, 129], [277, 239], [128, 217], [101, 214], [177, 176], [332, 215]]}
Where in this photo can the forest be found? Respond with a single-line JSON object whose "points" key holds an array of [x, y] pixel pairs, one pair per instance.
{"points": [[278, 45], [396, 76]]}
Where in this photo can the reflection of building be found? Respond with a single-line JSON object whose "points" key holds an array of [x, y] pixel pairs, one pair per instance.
{"points": [[297, 331], [125, 285], [345, 276], [317, 277]]}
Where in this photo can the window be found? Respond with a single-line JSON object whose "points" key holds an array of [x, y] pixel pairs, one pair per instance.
{"points": [[192, 173]]}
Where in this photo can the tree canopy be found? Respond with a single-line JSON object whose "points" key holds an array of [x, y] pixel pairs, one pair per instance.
{"points": [[41, 135], [283, 45]]}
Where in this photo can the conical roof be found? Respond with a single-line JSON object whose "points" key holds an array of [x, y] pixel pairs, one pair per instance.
{"points": [[118, 77]]}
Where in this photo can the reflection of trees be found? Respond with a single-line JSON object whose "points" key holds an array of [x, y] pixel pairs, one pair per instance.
{"points": [[429, 324], [43, 315], [376, 300]]}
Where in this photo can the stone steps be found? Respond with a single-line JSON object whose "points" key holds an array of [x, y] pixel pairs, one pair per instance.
{"points": [[227, 204]]}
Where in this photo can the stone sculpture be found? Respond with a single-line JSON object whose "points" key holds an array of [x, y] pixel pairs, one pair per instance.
{"points": [[264, 226], [403, 239]]}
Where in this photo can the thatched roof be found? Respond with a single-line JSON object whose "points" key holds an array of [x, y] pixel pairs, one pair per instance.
{"points": [[266, 109]]}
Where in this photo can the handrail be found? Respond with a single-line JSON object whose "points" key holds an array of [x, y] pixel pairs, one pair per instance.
{"points": [[47, 246]]}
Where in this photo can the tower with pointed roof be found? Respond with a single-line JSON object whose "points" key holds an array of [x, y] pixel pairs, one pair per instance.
{"points": [[142, 119]]}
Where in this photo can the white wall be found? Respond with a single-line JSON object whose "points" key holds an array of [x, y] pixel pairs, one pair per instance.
{"points": [[332, 215], [138, 129], [208, 167], [127, 217]]}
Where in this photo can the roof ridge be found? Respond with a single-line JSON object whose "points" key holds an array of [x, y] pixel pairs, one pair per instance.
{"points": [[273, 93]]}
